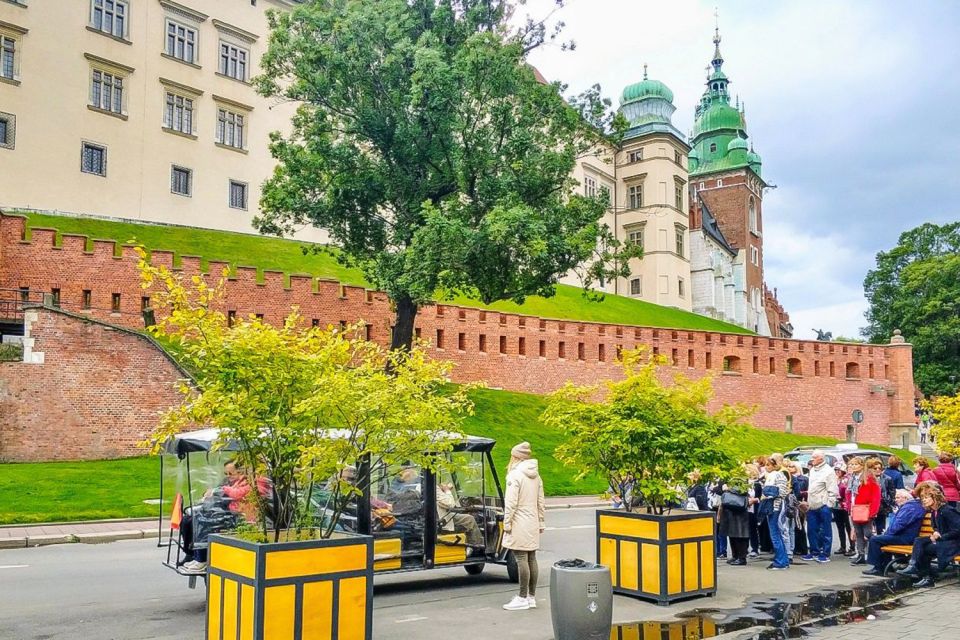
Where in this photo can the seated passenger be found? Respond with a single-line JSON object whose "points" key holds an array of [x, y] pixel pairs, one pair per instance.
{"points": [[454, 522], [904, 529]]}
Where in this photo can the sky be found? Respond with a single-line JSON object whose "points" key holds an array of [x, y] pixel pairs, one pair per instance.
{"points": [[854, 107]]}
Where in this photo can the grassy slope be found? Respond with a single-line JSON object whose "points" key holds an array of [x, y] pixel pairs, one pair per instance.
{"points": [[288, 256], [47, 492]]}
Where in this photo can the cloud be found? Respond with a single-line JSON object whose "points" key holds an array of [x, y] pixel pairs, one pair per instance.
{"points": [[851, 105]]}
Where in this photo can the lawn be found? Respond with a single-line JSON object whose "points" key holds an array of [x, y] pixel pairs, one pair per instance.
{"points": [[62, 491], [288, 256]]}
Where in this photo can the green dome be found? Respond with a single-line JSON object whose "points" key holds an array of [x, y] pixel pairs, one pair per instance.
{"points": [[646, 89], [737, 143], [718, 115], [753, 158]]}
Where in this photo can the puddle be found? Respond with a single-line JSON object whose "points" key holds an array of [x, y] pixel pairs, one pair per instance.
{"points": [[787, 616]]}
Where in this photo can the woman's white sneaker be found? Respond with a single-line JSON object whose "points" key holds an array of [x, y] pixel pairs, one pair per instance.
{"points": [[532, 602], [517, 604]]}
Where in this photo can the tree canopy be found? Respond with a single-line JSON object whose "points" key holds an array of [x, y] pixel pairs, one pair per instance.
{"points": [[646, 436], [427, 148], [915, 287]]}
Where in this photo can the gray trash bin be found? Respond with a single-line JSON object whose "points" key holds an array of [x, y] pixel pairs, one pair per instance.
{"points": [[581, 600]]}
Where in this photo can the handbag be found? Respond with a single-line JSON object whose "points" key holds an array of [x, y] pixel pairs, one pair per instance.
{"points": [[860, 514], [734, 502], [691, 504]]}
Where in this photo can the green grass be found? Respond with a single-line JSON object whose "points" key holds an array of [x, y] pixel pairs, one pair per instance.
{"points": [[288, 256], [65, 491]]}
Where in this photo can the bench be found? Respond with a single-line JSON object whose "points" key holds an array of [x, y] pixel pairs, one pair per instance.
{"points": [[902, 551]]}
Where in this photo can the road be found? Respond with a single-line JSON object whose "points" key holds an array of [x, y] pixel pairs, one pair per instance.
{"points": [[120, 591]]}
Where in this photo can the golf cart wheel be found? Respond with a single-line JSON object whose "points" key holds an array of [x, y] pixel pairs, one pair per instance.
{"points": [[513, 572], [474, 569]]}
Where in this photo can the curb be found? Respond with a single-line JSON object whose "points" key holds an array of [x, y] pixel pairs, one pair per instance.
{"points": [[98, 537], [576, 505]]}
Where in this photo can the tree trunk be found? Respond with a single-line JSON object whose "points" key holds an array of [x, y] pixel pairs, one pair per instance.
{"points": [[402, 338]]}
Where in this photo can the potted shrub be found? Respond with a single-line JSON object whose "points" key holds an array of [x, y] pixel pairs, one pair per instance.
{"points": [[645, 437], [305, 408]]}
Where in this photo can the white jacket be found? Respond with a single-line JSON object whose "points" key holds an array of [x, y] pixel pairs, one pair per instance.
{"points": [[823, 490], [524, 510]]}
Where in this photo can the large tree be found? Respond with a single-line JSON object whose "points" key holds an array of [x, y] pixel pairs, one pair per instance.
{"points": [[426, 147], [915, 287]]}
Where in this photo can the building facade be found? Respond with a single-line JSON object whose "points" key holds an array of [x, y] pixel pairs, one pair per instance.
{"points": [[646, 183], [137, 109]]}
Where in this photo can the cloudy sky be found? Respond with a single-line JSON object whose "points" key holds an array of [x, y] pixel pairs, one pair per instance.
{"points": [[854, 107]]}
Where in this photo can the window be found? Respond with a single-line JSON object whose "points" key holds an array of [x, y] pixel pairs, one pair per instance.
{"points": [[181, 42], [462, 341], [521, 346], [794, 367], [110, 17], [731, 364], [635, 156], [8, 57], [635, 196], [55, 297], [115, 303], [144, 303], [106, 91], [589, 186], [679, 237], [754, 255], [93, 159], [233, 61], [678, 195], [178, 115], [230, 129], [238, 195], [87, 299], [636, 288], [439, 343], [606, 193], [852, 370], [752, 209], [181, 181], [8, 128], [713, 147], [720, 183], [635, 237], [681, 287], [701, 186], [678, 158]]}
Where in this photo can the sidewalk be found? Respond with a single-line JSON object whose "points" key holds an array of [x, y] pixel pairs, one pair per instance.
{"points": [[929, 614], [20, 536]]}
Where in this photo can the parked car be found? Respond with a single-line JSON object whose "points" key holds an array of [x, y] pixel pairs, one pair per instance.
{"points": [[845, 452]]}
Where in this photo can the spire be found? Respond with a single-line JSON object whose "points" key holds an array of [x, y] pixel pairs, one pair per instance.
{"points": [[644, 70], [717, 61]]}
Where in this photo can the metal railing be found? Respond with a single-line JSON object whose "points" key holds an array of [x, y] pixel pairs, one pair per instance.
{"points": [[12, 302]]}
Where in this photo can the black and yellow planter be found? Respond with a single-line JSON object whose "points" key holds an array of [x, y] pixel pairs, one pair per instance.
{"points": [[309, 590], [662, 558]]}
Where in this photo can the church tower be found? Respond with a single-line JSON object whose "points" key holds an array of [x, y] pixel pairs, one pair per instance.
{"points": [[726, 188]]}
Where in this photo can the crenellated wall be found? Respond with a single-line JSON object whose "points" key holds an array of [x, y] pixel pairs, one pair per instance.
{"points": [[805, 386]]}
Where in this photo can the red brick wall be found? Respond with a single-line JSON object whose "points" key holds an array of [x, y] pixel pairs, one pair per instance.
{"points": [[819, 403], [97, 394]]}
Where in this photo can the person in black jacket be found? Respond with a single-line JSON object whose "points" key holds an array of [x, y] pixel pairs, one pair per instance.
{"points": [[943, 544]]}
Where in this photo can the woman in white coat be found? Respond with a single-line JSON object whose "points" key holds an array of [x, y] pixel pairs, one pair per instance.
{"points": [[523, 522]]}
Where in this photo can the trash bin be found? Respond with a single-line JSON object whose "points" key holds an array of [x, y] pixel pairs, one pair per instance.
{"points": [[581, 600]]}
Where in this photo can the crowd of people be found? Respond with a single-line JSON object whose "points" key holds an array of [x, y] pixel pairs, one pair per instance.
{"points": [[778, 509]]}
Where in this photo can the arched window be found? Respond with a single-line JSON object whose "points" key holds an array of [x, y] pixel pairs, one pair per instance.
{"points": [[853, 370], [753, 217], [731, 364], [794, 367]]}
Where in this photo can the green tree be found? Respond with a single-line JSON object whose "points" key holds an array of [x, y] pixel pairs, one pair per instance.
{"points": [[304, 404], [915, 287], [645, 432], [428, 150], [946, 409]]}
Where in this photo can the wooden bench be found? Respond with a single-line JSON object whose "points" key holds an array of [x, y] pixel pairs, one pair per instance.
{"points": [[899, 551]]}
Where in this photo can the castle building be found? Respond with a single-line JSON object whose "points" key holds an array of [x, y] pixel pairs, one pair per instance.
{"points": [[726, 213], [137, 109], [646, 182]]}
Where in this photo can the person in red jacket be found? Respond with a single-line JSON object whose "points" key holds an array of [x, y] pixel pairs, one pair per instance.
{"points": [[946, 476], [867, 493], [924, 473]]}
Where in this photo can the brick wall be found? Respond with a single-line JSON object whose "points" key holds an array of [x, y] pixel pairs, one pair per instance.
{"points": [[95, 391], [805, 380]]}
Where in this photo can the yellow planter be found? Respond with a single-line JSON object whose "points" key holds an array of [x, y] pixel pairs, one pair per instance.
{"points": [[309, 590], [662, 558]]}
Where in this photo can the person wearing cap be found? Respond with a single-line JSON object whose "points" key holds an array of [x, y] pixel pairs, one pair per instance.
{"points": [[523, 522]]}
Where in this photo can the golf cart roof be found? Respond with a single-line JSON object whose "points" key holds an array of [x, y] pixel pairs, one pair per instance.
{"points": [[206, 440]]}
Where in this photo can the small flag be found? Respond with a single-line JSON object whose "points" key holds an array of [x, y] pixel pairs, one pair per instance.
{"points": [[176, 515]]}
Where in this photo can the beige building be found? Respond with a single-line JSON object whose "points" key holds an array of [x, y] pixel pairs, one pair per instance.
{"points": [[647, 185], [136, 109]]}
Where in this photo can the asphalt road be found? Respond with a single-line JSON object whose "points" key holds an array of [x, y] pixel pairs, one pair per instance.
{"points": [[120, 591]]}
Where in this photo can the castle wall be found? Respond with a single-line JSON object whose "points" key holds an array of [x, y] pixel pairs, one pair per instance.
{"points": [[813, 387]]}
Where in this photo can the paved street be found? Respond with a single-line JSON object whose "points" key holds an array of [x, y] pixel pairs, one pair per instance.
{"points": [[928, 615], [119, 591]]}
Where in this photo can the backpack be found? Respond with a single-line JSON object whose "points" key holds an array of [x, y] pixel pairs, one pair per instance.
{"points": [[888, 494], [790, 505]]}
